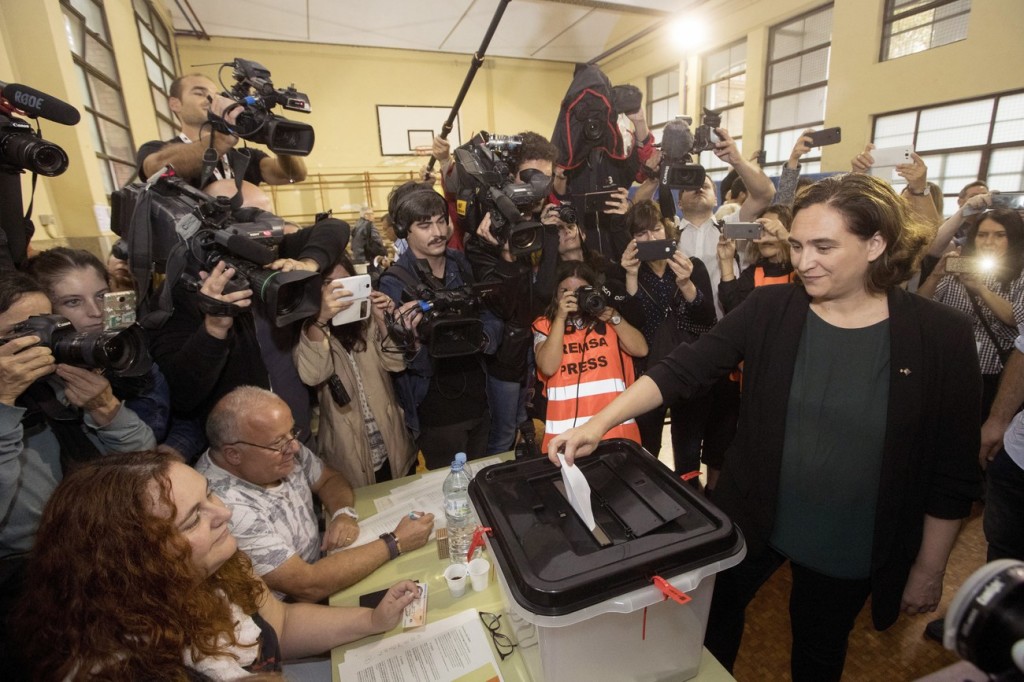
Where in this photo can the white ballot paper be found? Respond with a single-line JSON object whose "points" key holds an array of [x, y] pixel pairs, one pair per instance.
{"points": [[578, 491], [456, 648]]}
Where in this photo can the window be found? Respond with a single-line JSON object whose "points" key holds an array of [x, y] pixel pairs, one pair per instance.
{"points": [[796, 84], [918, 25], [159, 59], [963, 141], [85, 23], [724, 78], [662, 100]]}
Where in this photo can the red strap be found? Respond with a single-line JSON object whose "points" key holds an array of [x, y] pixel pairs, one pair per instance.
{"points": [[671, 592], [478, 540]]}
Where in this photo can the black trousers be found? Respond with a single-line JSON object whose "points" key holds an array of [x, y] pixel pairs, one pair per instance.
{"points": [[440, 443], [822, 611]]}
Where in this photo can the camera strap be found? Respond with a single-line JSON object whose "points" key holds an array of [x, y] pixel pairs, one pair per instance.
{"points": [[212, 306]]}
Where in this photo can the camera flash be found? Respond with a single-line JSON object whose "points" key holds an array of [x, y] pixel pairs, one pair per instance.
{"points": [[988, 264]]}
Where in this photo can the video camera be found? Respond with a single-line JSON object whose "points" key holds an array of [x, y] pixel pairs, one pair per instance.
{"points": [[984, 623], [485, 173], [451, 325], [122, 351], [187, 230], [21, 149], [678, 143], [255, 93]]}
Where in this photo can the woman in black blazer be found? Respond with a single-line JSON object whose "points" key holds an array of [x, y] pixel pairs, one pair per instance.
{"points": [[855, 456]]}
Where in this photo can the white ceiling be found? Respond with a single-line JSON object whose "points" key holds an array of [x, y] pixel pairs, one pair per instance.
{"points": [[559, 30]]}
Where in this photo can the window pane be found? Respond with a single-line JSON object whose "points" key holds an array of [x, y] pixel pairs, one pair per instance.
{"points": [[75, 31], [83, 84], [956, 125], [106, 99], [802, 34], [148, 39], [1006, 170], [142, 8], [153, 70], [166, 129], [106, 174], [123, 173], [94, 133], [117, 141], [803, 70], [926, 29], [673, 82], [778, 146], [659, 87], [724, 93], [898, 129], [161, 31], [1009, 119], [732, 120], [166, 59], [660, 111], [160, 101], [801, 108], [93, 16], [100, 57], [716, 65], [953, 171]]}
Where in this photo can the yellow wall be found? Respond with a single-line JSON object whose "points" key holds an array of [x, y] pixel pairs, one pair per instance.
{"points": [[345, 84], [989, 61]]}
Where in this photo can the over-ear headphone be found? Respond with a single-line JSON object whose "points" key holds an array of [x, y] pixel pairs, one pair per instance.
{"points": [[401, 227]]}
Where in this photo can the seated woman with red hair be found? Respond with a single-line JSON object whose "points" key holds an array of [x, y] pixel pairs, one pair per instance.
{"points": [[135, 576]]}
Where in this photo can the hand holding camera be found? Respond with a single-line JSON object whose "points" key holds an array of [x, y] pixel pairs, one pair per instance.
{"points": [[213, 288], [22, 361], [89, 390], [726, 149], [567, 306], [772, 231]]}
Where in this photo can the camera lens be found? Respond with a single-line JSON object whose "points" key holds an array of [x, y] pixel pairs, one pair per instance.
{"points": [[592, 129], [590, 301], [121, 351], [524, 238], [27, 151], [567, 213]]}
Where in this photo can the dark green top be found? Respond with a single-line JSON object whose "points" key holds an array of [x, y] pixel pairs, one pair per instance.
{"points": [[832, 456]]}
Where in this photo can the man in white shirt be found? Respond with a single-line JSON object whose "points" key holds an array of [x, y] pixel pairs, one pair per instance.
{"points": [[698, 233]]}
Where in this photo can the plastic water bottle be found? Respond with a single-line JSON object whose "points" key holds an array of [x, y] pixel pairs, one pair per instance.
{"points": [[457, 510]]}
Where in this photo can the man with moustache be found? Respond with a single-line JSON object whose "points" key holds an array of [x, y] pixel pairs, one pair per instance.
{"points": [[445, 399]]}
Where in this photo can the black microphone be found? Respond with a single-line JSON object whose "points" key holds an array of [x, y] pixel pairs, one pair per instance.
{"points": [[36, 103], [676, 141]]}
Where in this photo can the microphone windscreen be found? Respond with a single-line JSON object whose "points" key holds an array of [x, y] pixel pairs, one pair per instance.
{"points": [[36, 103], [676, 140]]}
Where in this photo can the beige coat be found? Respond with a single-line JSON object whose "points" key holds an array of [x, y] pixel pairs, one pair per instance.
{"points": [[342, 436]]}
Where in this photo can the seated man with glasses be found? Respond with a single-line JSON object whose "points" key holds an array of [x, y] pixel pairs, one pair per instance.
{"points": [[258, 466]]}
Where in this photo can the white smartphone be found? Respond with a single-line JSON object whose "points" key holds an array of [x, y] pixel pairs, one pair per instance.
{"points": [[359, 285], [891, 156]]}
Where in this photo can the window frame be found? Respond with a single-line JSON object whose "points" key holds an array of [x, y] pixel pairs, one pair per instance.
{"points": [[679, 95], [88, 70], [891, 16], [985, 150], [148, 23], [768, 97]]}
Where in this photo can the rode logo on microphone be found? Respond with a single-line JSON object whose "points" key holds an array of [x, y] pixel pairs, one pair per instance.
{"points": [[26, 100]]}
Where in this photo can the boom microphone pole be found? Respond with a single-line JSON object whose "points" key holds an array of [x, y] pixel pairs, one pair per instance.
{"points": [[478, 60]]}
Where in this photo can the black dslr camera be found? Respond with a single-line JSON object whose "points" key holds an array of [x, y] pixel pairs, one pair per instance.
{"points": [[255, 92], [122, 351], [485, 172], [590, 302], [678, 143]]}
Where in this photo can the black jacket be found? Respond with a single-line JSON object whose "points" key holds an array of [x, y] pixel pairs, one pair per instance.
{"points": [[929, 463]]}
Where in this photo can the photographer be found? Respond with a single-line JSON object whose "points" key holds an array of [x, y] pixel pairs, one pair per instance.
{"points": [[192, 99], [994, 297], [445, 399], [585, 354], [69, 415], [216, 341], [526, 292]]}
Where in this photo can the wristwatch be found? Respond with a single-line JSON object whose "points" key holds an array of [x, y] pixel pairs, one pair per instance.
{"points": [[394, 549], [927, 191], [347, 511], [615, 319]]}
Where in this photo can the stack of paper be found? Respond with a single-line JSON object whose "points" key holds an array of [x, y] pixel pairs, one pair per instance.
{"points": [[422, 495], [456, 648]]}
